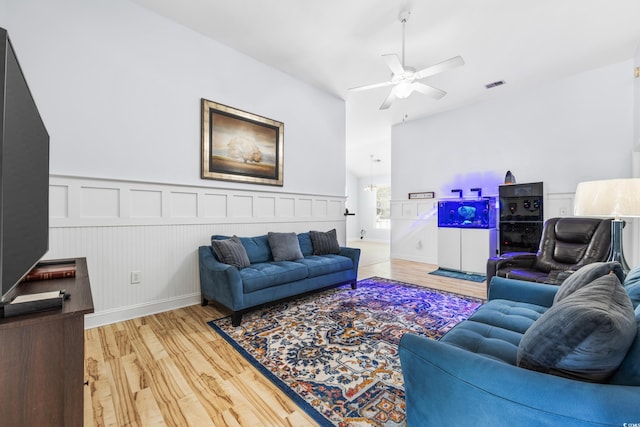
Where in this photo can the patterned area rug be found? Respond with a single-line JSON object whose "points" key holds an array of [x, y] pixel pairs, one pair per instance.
{"points": [[335, 353]]}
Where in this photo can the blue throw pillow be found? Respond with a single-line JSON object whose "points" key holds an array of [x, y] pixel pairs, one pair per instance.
{"points": [[586, 275], [584, 336], [284, 246]]}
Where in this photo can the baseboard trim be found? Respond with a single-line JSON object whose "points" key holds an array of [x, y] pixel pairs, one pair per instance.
{"points": [[108, 317]]}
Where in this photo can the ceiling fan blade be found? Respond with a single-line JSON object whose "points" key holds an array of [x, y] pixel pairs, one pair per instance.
{"points": [[372, 86], [428, 90], [387, 102], [450, 63], [394, 64]]}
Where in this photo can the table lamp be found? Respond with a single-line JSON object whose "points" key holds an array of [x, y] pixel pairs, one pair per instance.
{"points": [[619, 198]]}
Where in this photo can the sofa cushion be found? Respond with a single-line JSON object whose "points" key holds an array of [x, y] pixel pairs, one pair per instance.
{"points": [[495, 330], [486, 340], [586, 275], [325, 243], [230, 251], [585, 335], [269, 274], [506, 314], [319, 265], [284, 246], [306, 246], [258, 249]]}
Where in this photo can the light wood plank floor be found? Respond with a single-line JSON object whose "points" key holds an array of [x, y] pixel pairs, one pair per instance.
{"points": [[172, 369]]}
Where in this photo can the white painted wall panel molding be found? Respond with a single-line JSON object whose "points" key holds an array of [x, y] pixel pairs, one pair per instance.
{"points": [[214, 205], [77, 201], [58, 201], [145, 204], [287, 207], [99, 202], [155, 229]]}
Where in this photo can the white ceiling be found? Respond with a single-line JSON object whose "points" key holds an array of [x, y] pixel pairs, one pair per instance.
{"points": [[337, 44]]}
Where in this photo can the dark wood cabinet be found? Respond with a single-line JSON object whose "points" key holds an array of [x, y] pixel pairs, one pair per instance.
{"points": [[42, 357]]}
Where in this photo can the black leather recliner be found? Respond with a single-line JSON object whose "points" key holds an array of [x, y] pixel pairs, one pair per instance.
{"points": [[566, 245]]}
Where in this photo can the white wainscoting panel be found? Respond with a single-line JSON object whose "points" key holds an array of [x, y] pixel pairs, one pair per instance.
{"points": [[241, 206], [58, 201], [304, 207], [100, 202], [287, 207], [183, 205], [214, 205], [155, 229], [146, 204], [266, 207]]}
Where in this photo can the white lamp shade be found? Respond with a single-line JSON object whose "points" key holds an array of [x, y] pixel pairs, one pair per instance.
{"points": [[611, 197]]}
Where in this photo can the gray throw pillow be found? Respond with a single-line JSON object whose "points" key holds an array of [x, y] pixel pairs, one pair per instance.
{"points": [[325, 243], [230, 251], [584, 336], [586, 275], [284, 246]]}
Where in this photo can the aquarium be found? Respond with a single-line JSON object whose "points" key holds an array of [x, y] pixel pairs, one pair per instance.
{"points": [[467, 213]]}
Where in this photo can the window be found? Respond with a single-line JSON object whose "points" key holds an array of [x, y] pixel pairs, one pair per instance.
{"points": [[383, 208]]}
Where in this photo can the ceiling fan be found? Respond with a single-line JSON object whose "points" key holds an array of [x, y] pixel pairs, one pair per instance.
{"points": [[404, 79]]}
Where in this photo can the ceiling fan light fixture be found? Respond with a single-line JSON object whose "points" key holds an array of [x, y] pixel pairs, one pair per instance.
{"points": [[405, 79], [403, 90]]}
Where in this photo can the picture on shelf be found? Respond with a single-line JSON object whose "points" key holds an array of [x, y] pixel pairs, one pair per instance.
{"points": [[423, 195], [241, 146]]}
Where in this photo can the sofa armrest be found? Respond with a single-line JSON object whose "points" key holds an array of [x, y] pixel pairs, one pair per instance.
{"points": [[511, 259], [218, 281], [522, 291], [447, 385], [354, 254]]}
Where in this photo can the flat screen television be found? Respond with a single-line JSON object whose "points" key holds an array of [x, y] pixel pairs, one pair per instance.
{"points": [[24, 175]]}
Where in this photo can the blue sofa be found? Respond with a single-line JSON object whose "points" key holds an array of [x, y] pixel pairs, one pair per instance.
{"points": [[470, 376], [266, 280]]}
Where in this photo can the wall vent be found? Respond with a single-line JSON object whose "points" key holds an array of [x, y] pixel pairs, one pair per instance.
{"points": [[495, 84]]}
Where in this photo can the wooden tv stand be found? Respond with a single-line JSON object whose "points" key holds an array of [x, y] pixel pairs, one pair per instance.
{"points": [[42, 357]]}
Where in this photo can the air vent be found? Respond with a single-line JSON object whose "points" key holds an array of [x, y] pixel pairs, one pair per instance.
{"points": [[495, 84]]}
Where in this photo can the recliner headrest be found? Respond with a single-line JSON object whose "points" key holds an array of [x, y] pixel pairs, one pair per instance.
{"points": [[576, 230]]}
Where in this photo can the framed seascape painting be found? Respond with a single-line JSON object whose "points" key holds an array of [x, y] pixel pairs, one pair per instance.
{"points": [[241, 146]]}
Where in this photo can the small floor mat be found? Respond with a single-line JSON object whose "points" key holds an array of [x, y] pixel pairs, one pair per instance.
{"points": [[459, 275]]}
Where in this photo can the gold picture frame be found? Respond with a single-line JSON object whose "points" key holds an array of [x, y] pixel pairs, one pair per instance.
{"points": [[240, 146]]}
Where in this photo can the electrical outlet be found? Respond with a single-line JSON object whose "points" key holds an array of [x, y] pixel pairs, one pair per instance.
{"points": [[563, 211], [136, 277]]}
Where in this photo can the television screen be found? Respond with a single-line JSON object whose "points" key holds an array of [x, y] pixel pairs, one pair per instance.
{"points": [[24, 174]]}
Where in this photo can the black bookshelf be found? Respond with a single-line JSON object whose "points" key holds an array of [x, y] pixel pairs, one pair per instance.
{"points": [[521, 217]]}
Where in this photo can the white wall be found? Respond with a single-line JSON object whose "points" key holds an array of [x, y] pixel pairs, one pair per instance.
{"points": [[367, 209], [570, 130], [352, 203], [363, 204], [119, 90], [636, 109]]}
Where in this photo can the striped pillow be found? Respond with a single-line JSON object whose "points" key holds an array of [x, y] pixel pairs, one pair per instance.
{"points": [[324, 243], [230, 251]]}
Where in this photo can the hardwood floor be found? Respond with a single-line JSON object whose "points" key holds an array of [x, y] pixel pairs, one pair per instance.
{"points": [[172, 369]]}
